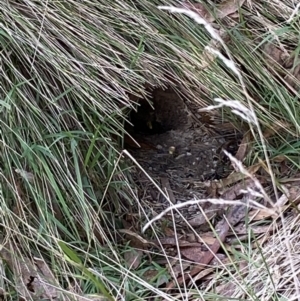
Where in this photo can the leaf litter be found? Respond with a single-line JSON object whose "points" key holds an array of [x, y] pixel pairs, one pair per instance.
{"points": [[229, 187], [34, 279]]}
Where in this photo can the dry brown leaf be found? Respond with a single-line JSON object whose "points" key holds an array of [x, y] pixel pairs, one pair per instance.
{"points": [[293, 78], [226, 290], [165, 185], [232, 192], [258, 215], [168, 231], [207, 238], [221, 11], [243, 148], [235, 214], [200, 9], [31, 283], [134, 236], [203, 274], [174, 241], [177, 267], [202, 218], [281, 61], [243, 229], [294, 193], [194, 253], [228, 7], [136, 241], [275, 57], [274, 128], [150, 274], [133, 258]]}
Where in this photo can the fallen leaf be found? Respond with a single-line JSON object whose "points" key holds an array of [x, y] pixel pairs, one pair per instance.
{"points": [[294, 193], [133, 258], [207, 238], [200, 9], [235, 214], [261, 214], [165, 185], [243, 148], [203, 274], [280, 61], [274, 128], [202, 218], [232, 192], [30, 281], [139, 240], [174, 241], [293, 78], [243, 229], [275, 57], [178, 267], [228, 7], [168, 231], [222, 10], [194, 253], [227, 289], [154, 275], [219, 259]]}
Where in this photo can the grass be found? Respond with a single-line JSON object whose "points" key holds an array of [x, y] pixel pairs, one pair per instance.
{"points": [[69, 71]]}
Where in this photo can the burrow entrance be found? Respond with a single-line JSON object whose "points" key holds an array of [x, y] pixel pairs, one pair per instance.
{"points": [[167, 112], [175, 144]]}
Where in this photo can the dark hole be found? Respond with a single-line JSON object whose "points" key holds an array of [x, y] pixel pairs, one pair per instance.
{"points": [[144, 120], [165, 114]]}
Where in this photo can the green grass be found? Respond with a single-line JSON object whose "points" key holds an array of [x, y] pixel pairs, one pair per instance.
{"points": [[67, 71]]}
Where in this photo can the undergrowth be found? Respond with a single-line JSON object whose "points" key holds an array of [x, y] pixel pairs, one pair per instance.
{"points": [[69, 74]]}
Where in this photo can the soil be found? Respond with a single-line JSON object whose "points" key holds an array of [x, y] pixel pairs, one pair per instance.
{"points": [[176, 145]]}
